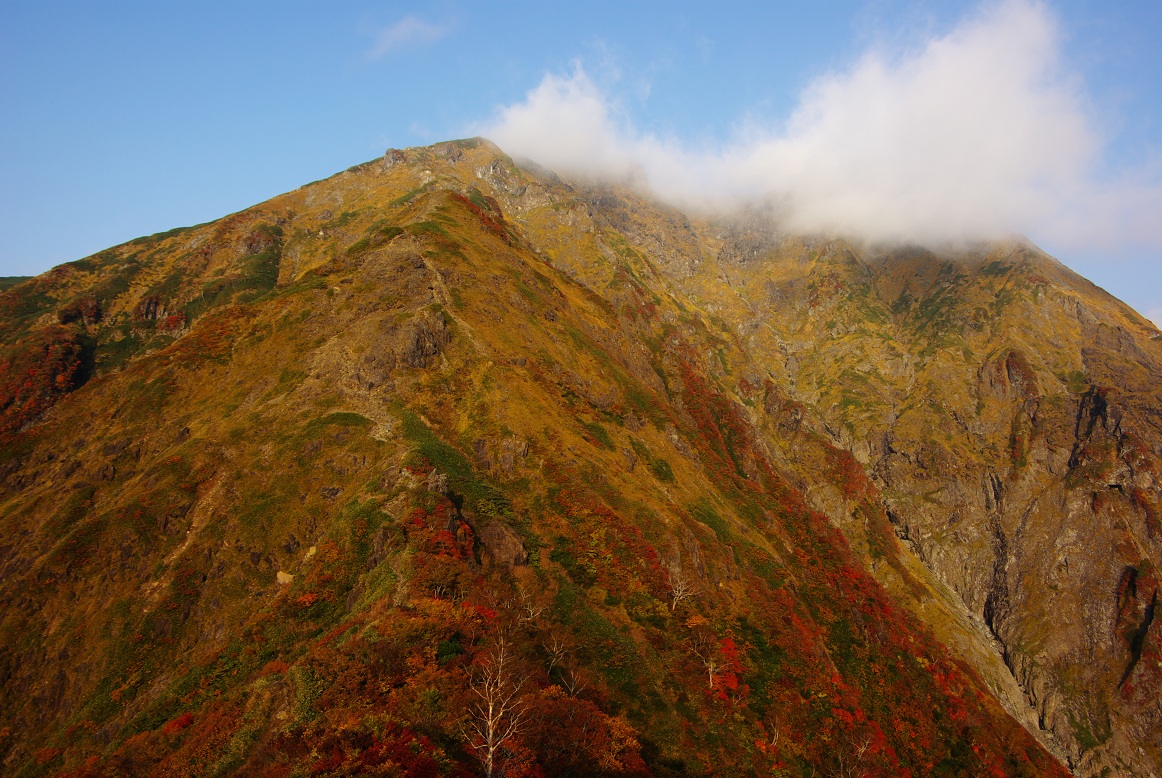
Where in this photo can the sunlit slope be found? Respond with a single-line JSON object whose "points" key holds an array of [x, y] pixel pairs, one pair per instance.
{"points": [[278, 487], [1008, 410]]}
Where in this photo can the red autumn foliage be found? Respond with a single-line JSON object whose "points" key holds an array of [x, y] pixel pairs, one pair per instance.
{"points": [[46, 755], [177, 725], [854, 686], [850, 475], [722, 434], [494, 224], [173, 323], [274, 667], [212, 336], [614, 549], [398, 751], [731, 688], [36, 374], [572, 736]]}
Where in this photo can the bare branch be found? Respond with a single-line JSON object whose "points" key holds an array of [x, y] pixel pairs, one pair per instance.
{"points": [[574, 680], [682, 586], [528, 607], [704, 646], [848, 760], [498, 714], [557, 650]]}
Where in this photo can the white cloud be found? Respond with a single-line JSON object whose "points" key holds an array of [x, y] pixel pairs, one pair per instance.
{"points": [[408, 31], [976, 134], [567, 124]]}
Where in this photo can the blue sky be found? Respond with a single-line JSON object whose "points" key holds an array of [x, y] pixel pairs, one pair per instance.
{"points": [[120, 119]]}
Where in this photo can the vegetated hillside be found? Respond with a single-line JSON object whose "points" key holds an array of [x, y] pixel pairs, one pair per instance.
{"points": [[1011, 414], [296, 491]]}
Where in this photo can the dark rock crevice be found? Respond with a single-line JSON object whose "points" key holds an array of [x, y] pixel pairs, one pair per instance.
{"points": [[1093, 408], [1138, 639], [996, 604]]}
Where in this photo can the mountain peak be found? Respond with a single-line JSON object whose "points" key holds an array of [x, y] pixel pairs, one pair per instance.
{"points": [[297, 489]]}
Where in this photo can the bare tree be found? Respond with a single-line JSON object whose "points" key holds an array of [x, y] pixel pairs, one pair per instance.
{"points": [[574, 680], [557, 650], [497, 714], [682, 586], [775, 734], [704, 646], [859, 746], [848, 760], [528, 606]]}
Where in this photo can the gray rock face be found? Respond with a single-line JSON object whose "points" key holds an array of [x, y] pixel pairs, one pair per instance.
{"points": [[1011, 417], [393, 157], [1019, 460], [423, 339], [502, 545]]}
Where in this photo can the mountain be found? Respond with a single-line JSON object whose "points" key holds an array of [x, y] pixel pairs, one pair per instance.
{"points": [[301, 490]]}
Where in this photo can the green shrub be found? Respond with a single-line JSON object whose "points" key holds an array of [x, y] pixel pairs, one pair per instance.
{"points": [[661, 470], [7, 282], [599, 434], [378, 235], [705, 513], [158, 237], [462, 479]]}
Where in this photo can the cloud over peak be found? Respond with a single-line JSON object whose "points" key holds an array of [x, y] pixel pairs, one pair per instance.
{"points": [[974, 134]]}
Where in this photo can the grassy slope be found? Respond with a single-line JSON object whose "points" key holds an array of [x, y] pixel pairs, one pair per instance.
{"points": [[279, 416]]}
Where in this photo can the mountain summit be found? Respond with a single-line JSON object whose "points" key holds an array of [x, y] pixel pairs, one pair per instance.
{"points": [[445, 465]]}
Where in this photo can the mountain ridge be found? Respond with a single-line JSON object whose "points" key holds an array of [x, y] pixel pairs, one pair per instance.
{"points": [[559, 357]]}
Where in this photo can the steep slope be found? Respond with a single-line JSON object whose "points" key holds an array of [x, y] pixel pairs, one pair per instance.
{"points": [[292, 491], [1044, 392], [1009, 411]]}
